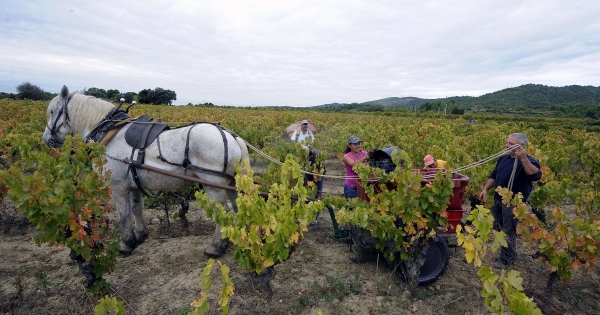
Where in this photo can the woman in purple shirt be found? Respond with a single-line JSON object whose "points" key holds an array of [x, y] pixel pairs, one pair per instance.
{"points": [[352, 156]]}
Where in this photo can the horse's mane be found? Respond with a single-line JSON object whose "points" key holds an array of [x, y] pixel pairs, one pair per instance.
{"points": [[89, 110]]}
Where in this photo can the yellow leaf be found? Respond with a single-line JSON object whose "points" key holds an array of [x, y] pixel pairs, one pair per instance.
{"points": [[294, 238], [470, 255], [268, 262], [272, 222]]}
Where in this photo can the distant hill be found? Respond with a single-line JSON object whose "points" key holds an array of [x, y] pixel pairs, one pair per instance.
{"points": [[535, 96], [331, 105], [387, 102], [398, 101]]}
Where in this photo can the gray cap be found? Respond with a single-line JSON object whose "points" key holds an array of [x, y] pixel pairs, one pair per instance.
{"points": [[304, 121], [354, 139]]}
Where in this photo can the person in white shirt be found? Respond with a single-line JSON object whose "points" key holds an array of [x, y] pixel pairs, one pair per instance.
{"points": [[303, 134]]}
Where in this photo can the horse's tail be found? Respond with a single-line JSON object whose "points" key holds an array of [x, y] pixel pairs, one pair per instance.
{"points": [[245, 156]]}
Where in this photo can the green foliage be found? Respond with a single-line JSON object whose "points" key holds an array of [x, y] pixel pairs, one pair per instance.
{"points": [[60, 193], [96, 92], [500, 292], [475, 238], [457, 111], [8, 95], [111, 95], [202, 304], [29, 91], [567, 243], [264, 232], [109, 306], [157, 96], [362, 107], [399, 195]]}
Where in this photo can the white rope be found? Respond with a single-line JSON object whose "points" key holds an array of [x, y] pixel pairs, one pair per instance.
{"points": [[264, 154], [426, 176], [512, 175], [487, 159]]}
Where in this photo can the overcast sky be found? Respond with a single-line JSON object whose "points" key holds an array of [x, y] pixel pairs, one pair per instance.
{"points": [[299, 53]]}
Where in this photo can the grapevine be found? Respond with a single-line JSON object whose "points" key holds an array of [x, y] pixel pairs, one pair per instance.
{"points": [[202, 304], [264, 232], [402, 212], [500, 292], [60, 193]]}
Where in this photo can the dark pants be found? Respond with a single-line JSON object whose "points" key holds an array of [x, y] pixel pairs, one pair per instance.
{"points": [[504, 220], [350, 192], [319, 194], [310, 178]]}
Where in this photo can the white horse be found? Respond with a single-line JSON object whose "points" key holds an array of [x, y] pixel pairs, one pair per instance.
{"points": [[213, 153]]}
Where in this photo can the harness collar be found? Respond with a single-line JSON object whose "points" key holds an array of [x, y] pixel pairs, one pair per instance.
{"points": [[115, 119]]}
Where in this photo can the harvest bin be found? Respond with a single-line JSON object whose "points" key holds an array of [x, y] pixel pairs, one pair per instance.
{"points": [[458, 192], [455, 208], [460, 185], [454, 219]]}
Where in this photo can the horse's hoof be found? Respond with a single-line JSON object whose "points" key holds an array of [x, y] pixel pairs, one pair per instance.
{"points": [[139, 239], [125, 250], [213, 252]]}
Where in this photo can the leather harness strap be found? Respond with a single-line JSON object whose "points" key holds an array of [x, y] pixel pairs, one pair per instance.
{"points": [[111, 123], [142, 151], [118, 118], [189, 166], [226, 154]]}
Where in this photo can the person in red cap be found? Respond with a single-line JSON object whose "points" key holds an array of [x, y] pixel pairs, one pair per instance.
{"points": [[431, 162]]}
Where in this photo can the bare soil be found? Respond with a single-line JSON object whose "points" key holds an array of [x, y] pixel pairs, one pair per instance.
{"points": [[162, 275]]}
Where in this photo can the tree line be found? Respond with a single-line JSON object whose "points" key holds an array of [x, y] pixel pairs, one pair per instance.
{"points": [[155, 96]]}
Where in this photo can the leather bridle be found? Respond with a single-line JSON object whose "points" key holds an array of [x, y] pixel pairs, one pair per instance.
{"points": [[65, 122]]}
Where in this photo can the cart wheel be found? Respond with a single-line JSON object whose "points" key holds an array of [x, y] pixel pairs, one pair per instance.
{"points": [[437, 259]]}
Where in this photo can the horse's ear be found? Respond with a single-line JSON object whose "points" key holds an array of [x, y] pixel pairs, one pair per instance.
{"points": [[64, 93]]}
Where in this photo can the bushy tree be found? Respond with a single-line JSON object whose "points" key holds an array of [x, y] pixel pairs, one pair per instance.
{"points": [[592, 113], [96, 92], [457, 111], [164, 96], [157, 96], [425, 107], [8, 95], [113, 95], [29, 91], [146, 96]]}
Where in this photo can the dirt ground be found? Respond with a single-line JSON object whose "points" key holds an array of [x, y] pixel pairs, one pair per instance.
{"points": [[162, 275]]}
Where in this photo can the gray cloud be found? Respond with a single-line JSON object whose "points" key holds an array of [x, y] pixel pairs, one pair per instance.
{"points": [[301, 53]]}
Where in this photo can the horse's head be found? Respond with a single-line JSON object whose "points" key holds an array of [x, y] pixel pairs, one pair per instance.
{"points": [[58, 126]]}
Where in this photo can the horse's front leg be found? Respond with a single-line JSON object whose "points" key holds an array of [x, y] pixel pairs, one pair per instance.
{"points": [[137, 205], [122, 203]]}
